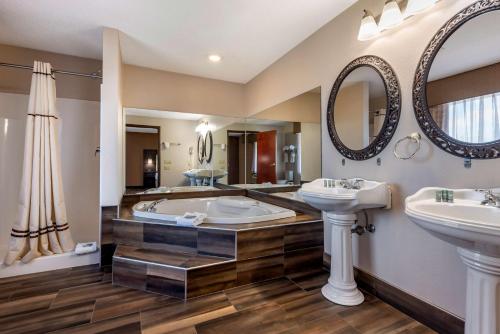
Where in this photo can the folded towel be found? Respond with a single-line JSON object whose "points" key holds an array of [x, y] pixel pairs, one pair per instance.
{"points": [[85, 247], [191, 219]]}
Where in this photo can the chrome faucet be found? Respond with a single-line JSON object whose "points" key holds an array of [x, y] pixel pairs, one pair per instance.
{"points": [[152, 207], [354, 184], [490, 198]]}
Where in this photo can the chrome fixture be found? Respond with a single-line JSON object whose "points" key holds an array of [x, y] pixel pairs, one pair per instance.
{"points": [[152, 206], [351, 184], [415, 138], [390, 17], [490, 198]]}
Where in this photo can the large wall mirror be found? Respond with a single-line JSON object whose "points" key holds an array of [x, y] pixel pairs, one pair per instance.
{"points": [[457, 84], [364, 108], [279, 146]]}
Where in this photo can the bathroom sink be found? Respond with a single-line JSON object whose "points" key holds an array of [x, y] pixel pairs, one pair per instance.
{"points": [[327, 195], [203, 173], [464, 223], [340, 200], [472, 223]]}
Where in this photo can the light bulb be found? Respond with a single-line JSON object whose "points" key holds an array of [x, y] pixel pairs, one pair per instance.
{"points": [[368, 28], [416, 6], [391, 15]]}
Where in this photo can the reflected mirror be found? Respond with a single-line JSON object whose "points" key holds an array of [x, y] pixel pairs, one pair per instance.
{"points": [[360, 108], [457, 86]]}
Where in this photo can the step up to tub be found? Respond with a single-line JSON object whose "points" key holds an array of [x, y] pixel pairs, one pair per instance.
{"points": [[177, 274], [187, 262]]}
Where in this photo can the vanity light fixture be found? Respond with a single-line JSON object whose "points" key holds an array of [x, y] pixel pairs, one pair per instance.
{"points": [[203, 128], [416, 6], [368, 28], [391, 15], [214, 58]]}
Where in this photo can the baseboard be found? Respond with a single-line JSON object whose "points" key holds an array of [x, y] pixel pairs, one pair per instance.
{"points": [[433, 317], [48, 263]]}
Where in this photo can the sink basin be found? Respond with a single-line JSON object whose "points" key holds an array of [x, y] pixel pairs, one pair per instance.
{"points": [[465, 223], [340, 200], [198, 177], [337, 199], [475, 229]]}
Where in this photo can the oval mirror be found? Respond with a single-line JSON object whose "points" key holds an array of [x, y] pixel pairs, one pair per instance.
{"points": [[457, 85], [364, 108]]}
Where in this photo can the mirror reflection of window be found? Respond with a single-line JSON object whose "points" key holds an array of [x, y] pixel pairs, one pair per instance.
{"points": [[463, 88]]}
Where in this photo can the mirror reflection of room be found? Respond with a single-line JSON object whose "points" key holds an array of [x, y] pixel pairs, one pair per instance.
{"points": [[360, 108], [172, 151], [463, 89], [284, 142]]}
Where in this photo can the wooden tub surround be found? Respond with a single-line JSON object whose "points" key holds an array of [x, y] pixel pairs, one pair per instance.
{"points": [[186, 262]]}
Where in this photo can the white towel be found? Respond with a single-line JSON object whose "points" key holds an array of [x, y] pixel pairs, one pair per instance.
{"points": [[85, 247], [191, 219]]}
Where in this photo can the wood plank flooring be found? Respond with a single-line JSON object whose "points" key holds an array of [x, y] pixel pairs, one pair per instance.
{"points": [[83, 300]]}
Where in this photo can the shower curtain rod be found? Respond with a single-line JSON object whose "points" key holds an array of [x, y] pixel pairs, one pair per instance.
{"points": [[26, 67]]}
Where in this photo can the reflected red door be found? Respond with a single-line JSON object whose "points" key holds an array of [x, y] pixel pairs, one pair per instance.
{"points": [[266, 157]]}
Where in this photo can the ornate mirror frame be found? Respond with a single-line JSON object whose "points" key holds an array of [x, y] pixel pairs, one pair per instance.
{"points": [[393, 97], [458, 148]]}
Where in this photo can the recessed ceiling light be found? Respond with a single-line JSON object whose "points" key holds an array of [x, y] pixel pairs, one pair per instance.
{"points": [[214, 58]]}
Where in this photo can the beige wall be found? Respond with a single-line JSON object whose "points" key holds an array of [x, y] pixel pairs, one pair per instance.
{"points": [[351, 115], [79, 137], [18, 81], [482, 81], [399, 252], [303, 108], [137, 142], [153, 89]]}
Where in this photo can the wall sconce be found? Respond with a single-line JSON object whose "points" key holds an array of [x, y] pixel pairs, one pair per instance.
{"points": [[166, 145], [368, 28], [391, 17]]}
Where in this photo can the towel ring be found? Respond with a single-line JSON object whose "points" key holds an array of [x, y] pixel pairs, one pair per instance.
{"points": [[415, 138]]}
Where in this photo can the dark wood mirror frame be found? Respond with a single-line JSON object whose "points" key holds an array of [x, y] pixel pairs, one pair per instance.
{"points": [[393, 97], [458, 148]]}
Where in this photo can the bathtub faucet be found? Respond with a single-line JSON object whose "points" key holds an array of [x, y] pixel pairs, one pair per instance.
{"points": [[152, 207]]}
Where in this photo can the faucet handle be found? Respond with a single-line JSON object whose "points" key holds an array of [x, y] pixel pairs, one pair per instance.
{"points": [[485, 191]]}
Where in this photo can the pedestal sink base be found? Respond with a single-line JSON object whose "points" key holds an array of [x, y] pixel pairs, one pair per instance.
{"points": [[483, 292], [341, 287]]}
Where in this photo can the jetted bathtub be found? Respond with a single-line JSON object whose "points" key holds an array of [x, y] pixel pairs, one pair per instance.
{"points": [[219, 210], [181, 189]]}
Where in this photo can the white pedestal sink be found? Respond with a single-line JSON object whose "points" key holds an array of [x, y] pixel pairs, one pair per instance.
{"points": [[341, 202], [475, 229]]}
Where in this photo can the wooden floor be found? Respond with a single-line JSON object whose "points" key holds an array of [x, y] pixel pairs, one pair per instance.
{"points": [[82, 300]]}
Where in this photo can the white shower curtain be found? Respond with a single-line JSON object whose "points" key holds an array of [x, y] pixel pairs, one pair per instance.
{"points": [[41, 227]]}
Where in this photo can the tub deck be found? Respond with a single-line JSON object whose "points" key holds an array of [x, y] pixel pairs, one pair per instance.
{"points": [[185, 262]]}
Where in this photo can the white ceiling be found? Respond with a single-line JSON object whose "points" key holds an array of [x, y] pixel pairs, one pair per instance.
{"points": [[172, 35], [476, 44]]}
